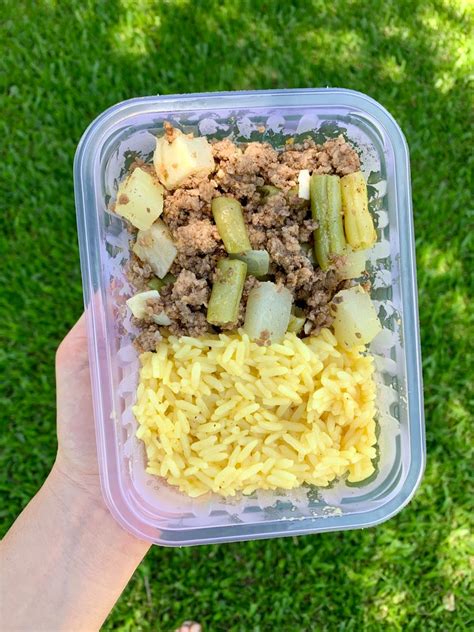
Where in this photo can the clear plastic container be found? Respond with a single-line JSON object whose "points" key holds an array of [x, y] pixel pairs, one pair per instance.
{"points": [[145, 505]]}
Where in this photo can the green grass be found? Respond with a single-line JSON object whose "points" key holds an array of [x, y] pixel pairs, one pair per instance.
{"points": [[61, 64]]}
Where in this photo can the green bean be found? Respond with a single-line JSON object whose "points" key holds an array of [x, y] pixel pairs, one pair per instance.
{"points": [[358, 221], [268, 190], [226, 292], [335, 224], [157, 284], [319, 211], [230, 223], [326, 208], [258, 262], [293, 192], [296, 323]]}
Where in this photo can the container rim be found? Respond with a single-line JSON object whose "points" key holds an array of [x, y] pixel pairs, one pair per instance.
{"points": [[241, 96]]}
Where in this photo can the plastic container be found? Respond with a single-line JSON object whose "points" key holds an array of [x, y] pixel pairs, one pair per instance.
{"points": [[148, 507]]}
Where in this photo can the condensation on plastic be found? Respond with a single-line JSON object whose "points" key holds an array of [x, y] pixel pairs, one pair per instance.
{"points": [[147, 506]]}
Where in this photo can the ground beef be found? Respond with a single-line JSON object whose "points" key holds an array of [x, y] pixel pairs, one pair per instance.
{"points": [[190, 290], [170, 131], [202, 265], [181, 206], [185, 302], [302, 156], [335, 156], [306, 230], [189, 203], [240, 173], [277, 220], [148, 339], [138, 273], [197, 237], [272, 212]]}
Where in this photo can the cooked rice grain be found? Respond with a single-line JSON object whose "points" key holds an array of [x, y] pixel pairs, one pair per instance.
{"points": [[222, 414]]}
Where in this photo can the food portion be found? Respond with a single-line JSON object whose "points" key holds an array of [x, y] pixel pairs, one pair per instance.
{"points": [[358, 224], [223, 414], [156, 248], [140, 199], [251, 324], [355, 318], [229, 279], [177, 157], [268, 313], [297, 217], [326, 207]]}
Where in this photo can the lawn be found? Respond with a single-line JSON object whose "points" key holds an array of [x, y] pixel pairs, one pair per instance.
{"points": [[62, 63]]}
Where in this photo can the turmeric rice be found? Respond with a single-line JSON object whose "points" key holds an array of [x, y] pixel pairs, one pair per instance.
{"points": [[221, 414]]}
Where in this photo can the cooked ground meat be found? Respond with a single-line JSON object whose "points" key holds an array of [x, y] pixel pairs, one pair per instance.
{"points": [[149, 338], [183, 302], [197, 237], [265, 182], [272, 212], [190, 290], [334, 156], [182, 206], [138, 273], [170, 131], [202, 265], [340, 156]]}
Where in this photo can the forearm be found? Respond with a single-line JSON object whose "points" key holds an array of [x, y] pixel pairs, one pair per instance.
{"points": [[65, 561]]}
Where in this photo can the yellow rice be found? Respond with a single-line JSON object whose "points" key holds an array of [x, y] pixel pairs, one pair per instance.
{"points": [[222, 414]]}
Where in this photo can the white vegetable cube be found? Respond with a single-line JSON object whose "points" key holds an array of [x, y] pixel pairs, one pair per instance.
{"points": [[140, 199], [161, 319], [184, 156], [155, 247], [353, 265], [304, 179], [138, 303], [268, 312], [138, 307], [355, 319]]}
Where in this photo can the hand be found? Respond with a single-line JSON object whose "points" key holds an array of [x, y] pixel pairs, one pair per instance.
{"points": [[65, 545], [77, 453]]}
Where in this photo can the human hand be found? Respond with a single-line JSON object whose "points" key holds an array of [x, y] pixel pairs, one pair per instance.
{"points": [[76, 459], [65, 545]]}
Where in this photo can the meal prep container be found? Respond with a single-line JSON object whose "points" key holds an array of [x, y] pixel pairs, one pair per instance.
{"points": [[147, 506]]}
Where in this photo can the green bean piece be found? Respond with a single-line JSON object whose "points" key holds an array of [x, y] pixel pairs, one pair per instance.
{"points": [[230, 223], [268, 190], [258, 262], [335, 224], [296, 324], [326, 208], [293, 192], [358, 222], [226, 292], [157, 284], [319, 211]]}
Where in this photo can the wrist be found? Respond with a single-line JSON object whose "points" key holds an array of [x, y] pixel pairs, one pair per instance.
{"points": [[102, 553], [82, 511], [66, 542], [74, 495]]}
